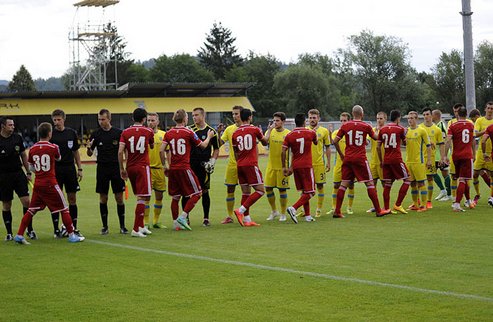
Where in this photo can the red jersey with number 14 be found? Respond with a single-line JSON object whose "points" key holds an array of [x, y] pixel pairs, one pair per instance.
{"points": [[244, 142], [180, 141], [300, 142], [355, 133], [391, 136], [42, 157], [137, 139], [462, 133]]}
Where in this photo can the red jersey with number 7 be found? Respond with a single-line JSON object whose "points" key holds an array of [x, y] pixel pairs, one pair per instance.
{"points": [[391, 136], [181, 140], [355, 133], [462, 134], [137, 139], [300, 142], [42, 157], [244, 142]]}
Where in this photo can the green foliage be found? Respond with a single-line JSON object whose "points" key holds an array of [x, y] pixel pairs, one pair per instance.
{"points": [[483, 68], [137, 73], [22, 81], [50, 84], [179, 68], [116, 45], [449, 79]]}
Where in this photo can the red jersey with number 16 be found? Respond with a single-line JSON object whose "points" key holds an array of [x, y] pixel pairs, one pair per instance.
{"points": [[300, 142], [42, 157], [391, 136], [181, 140], [137, 139], [355, 133], [462, 133], [244, 142]]}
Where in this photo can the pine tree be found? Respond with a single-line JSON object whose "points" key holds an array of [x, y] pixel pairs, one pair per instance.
{"points": [[22, 81]]}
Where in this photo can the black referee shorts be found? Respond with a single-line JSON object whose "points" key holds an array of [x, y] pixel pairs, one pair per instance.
{"points": [[106, 173], [13, 181], [66, 176], [202, 175]]}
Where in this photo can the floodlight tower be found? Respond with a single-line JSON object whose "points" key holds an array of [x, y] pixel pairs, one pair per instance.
{"points": [[90, 46], [468, 55]]}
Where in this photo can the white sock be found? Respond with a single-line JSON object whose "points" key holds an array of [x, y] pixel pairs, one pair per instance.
{"points": [[247, 219], [242, 209], [184, 215]]}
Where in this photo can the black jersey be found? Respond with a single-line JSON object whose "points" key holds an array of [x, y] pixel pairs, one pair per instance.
{"points": [[68, 142], [199, 155], [107, 143], [10, 151]]}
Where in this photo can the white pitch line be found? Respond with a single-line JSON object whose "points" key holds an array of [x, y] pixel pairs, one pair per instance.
{"points": [[294, 271]]}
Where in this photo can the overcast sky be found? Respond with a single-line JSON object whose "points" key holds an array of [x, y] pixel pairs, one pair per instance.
{"points": [[35, 32]]}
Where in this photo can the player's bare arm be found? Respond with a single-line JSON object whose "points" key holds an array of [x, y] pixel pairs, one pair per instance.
{"points": [[484, 139], [205, 143], [121, 151], [26, 165], [338, 148], [79, 164], [90, 150]]}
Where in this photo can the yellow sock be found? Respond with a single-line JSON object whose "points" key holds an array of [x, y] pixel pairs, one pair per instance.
{"points": [[415, 195], [321, 197], [283, 196], [453, 186], [158, 206], [350, 197], [271, 197], [424, 194], [334, 197], [146, 213], [430, 190], [230, 203]]}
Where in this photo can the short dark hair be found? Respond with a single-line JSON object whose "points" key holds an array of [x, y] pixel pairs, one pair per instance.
{"points": [[44, 130], [139, 114], [300, 119], [58, 112], [238, 107], [245, 114], [179, 116], [3, 120], [457, 105], [280, 115], [394, 115], [489, 103], [105, 111], [462, 112], [475, 113], [200, 109], [426, 109]]}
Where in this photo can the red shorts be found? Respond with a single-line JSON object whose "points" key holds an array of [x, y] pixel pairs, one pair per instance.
{"points": [[359, 169], [395, 171], [463, 168], [250, 175], [183, 182], [47, 196], [140, 178], [304, 180]]}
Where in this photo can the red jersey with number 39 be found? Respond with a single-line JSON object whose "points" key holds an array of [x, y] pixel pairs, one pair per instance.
{"points": [[300, 142], [180, 141], [391, 136], [355, 133], [137, 139], [42, 157], [244, 142], [462, 133]]}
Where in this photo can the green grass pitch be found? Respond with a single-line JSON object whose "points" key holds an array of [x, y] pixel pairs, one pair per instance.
{"points": [[435, 266]]}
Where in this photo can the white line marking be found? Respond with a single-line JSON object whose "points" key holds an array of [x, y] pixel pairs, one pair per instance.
{"points": [[293, 271]]}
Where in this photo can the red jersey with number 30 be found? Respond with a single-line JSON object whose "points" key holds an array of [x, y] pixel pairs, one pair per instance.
{"points": [[244, 142], [391, 136], [180, 141], [42, 157], [355, 133], [137, 139], [300, 142], [462, 133]]}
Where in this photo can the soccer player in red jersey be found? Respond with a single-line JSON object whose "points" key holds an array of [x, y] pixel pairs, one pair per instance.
{"points": [[300, 142], [244, 142], [182, 180], [135, 142], [391, 136], [354, 164], [46, 192], [461, 135]]}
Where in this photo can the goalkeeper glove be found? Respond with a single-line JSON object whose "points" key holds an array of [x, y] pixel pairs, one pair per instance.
{"points": [[209, 166]]}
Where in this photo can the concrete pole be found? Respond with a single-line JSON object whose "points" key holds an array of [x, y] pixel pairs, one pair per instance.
{"points": [[468, 55]]}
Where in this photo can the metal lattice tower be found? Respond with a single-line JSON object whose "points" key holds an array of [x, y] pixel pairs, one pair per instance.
{"points": [[90, 46]]}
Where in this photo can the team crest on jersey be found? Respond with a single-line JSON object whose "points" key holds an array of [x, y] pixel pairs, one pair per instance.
{"points": [[17, 148], [203, 137], [415, 134], [70, 144], [115, 142]]}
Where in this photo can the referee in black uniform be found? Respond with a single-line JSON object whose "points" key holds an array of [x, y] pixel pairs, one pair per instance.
{"points": [[201, 161], [106, 140], [12, 157], [66, 174]]}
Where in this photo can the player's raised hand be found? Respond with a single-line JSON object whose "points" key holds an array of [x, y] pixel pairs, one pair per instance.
{"points": [[124, 174], [210, 133]]}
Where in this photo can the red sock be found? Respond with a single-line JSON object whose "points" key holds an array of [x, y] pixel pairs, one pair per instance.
{"points": [[340, 199], [191, 203], [486, 178], [460, 191], [466, 191], [175, 208], [244, 198], [402, 192], [67, 221], [26, 219], [304, 198], [252, 199], [386, 195], [372, 193], [139, 215], [306, 208]]}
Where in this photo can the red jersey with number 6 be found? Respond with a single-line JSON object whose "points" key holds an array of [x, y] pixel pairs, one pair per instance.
{"points": [[300, 142], [181, 140], [42, 157], [391, 136], [355, 133], [244, 142], [462, 134], [137, 139]]}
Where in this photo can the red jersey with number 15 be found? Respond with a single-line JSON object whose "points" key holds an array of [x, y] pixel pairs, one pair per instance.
{"points": [[300, 142], [42, 157], [137, 139], [244, 142], [391, 136], [355, 133], [181, 140], [462, 133]]}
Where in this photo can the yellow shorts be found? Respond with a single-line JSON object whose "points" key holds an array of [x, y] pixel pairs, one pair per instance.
{"points": [[158, 179], [376, 171], [480, 163], [337, 171], [451, 167], [231, 178], [417, 171], [431, 171], [274, 178], [319, 174]]}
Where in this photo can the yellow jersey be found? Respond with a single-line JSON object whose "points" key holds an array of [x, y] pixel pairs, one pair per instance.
{"points": [[342, 146], [275, 148], [374, 155], [480, 126], [226, 137], [416, 142], [435, 135], [318, 155], [154, 158]]}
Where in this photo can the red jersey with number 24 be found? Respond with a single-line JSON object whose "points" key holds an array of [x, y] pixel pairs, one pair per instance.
{"points": [[137, 139], [462, 133], [391, 136], [180, 141], [300, 142], [355, 133], [244, 142], [42, 157]]}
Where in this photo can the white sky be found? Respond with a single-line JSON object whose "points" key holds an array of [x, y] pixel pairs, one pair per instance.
{"points": [[35, 32]]}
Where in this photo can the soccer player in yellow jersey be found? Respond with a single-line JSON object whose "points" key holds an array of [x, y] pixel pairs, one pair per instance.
{"points": [[320, 156], [445, 192], [437, 142], [231, 177], [453, 181], [375, 164], [416, 141], [337, 171], [481, 163], [157, 173], [274, 177]]}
